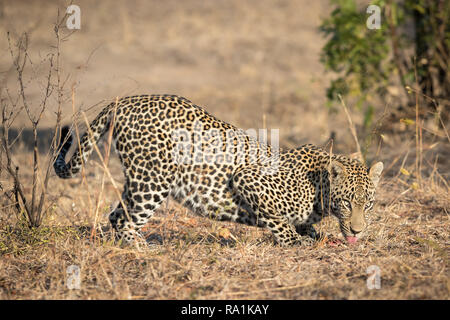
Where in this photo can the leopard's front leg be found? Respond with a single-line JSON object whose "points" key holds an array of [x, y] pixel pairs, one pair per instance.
{"points": [[308, 230], [258, 190], [285, 233]]}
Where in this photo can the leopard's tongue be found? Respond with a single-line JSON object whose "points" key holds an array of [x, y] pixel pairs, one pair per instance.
{"points": [[351, 239]]}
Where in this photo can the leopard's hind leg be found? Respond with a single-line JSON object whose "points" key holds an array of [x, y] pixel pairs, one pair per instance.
{"points": [[142, 197]]}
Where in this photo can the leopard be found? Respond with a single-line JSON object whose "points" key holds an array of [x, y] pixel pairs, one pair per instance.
{"points": [[171, 147]]}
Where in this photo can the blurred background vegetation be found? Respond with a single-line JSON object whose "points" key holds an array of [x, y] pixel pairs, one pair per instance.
{"points": [[408, 56]]}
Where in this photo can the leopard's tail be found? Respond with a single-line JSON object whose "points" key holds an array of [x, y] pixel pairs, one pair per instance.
{"points": [[98, 128]]}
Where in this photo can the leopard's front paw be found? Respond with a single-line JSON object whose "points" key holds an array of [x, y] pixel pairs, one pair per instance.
{"points": [[304, 241], [308, 231], [307, 241]]}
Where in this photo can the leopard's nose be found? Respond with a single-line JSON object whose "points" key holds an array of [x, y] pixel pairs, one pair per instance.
{"points": [[356, 230]]}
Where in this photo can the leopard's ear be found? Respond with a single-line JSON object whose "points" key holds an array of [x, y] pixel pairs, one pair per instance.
{"points": [[375, 172], [337, 170]]}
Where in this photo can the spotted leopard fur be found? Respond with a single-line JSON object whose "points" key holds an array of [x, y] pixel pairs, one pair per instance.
{"points": [[286, 191]]}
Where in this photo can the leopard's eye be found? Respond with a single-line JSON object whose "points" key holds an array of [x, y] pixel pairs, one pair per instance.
{"points": [[368, 205], [347, 204]]}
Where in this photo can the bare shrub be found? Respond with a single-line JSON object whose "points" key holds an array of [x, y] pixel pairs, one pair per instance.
{"points": [[29, 198]]}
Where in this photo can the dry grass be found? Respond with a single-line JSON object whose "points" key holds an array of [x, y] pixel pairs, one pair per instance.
{"points": [[190, 259], [265, 62]]}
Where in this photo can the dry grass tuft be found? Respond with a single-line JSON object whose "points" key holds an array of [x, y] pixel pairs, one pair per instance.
{"points": [[197, 258]]}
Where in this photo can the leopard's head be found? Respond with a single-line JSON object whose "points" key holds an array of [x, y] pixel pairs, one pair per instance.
{"points": [[352, 188]]}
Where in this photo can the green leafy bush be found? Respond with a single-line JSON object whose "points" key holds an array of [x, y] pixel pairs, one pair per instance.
{"points": [[411, 49]]}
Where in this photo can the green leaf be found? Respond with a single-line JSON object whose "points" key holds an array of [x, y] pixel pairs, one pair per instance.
{"points": [[368, 116]]}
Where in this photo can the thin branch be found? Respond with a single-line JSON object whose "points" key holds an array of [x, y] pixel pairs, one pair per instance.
{"points": [[352, 129]]}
